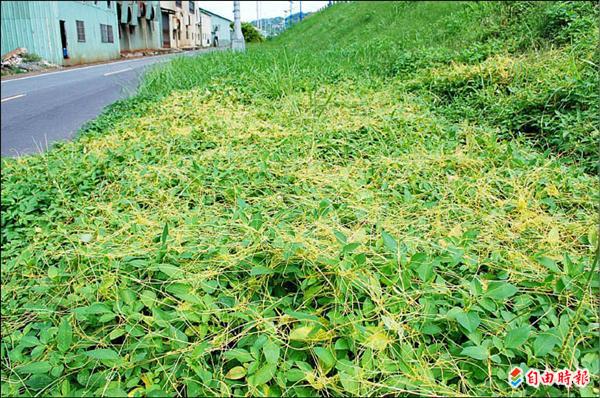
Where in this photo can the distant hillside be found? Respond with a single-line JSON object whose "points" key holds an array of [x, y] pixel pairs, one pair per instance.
{"points": [[545, 51], [274, 26]]}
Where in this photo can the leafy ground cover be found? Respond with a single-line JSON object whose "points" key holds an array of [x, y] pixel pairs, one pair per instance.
{"points": [[323, 215]]}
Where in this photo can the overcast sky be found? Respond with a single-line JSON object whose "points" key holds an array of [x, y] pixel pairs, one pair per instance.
{"points": [[268, 9]]}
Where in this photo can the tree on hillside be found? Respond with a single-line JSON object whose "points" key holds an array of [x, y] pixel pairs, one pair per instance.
{"points": [[251, 34]]}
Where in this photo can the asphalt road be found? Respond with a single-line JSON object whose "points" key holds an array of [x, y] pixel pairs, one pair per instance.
{"points": [[41, 109]]}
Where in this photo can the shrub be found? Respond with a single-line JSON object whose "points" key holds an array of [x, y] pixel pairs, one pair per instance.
{"points": [[31, 57]]}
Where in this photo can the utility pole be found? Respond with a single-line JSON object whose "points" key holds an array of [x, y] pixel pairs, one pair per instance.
{"points": [[291, 19], [237, 44], [257, 17], [301, 16]]}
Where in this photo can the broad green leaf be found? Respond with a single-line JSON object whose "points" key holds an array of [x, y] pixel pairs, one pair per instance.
{"points": [[263, 375], [164, 235], [294, 375], [239, 354], [271, 351], [64, 336], [377, 338], [39, 381], [340, 237], [516, 337], [115, 392], [183, 291], [303, 316], [389, 242], [430, 329], [171, 270], [325, 356], [476, 287], [148, 298], [549, 263], [545, 343], [341, 344], [236, 373], [350, 247], [261, 270], [29, 341], [118, 332], [308, 333], [417, 260], [107, 317], [96, 309], [301, 333], [475, 352], [469, 320], [52, 272], [35, 368], [500, 290], [350, 383], [103, 354], [163, 247], [425, 270]]}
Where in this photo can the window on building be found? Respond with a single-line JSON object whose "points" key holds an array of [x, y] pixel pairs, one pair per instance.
{"points": [[178, 3], [131, 29], [108, 4], [192, 8], [106, 33], [80, 31]]}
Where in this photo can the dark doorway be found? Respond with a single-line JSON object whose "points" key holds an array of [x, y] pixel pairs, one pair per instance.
{"points": [[166, 31], [63, 39]]}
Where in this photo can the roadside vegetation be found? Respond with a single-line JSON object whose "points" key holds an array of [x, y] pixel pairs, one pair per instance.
{"points": [[20, 61], [388, 199], [251, 34]]}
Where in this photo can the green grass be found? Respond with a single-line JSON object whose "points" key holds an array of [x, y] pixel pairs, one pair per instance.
{"points": [[389, 199], [11, 70], [31, 57]]}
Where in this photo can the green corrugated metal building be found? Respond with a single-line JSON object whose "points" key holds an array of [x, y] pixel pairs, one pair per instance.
{"points": [[62, 32], [78, 32]]}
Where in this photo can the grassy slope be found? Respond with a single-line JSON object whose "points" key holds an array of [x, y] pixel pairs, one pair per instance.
{"points": [[322, 215]]}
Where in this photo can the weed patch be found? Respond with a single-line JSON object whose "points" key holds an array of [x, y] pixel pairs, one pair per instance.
{"points": [[318, 217]]}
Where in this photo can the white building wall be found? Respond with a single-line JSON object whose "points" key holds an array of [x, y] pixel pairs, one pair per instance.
{"points": [[206, 30]]}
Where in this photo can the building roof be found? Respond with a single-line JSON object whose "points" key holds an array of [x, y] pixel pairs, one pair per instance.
{"points": [[213, 14]]}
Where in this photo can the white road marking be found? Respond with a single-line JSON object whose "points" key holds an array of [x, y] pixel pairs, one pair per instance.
{"points": [[117, 71], [13, 97], [190, 53]]}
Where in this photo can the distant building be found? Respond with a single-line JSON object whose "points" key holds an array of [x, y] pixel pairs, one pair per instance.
{"points": [[205, 28], [61, 32], [139, 25], [179, 24], [220, 29]]}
